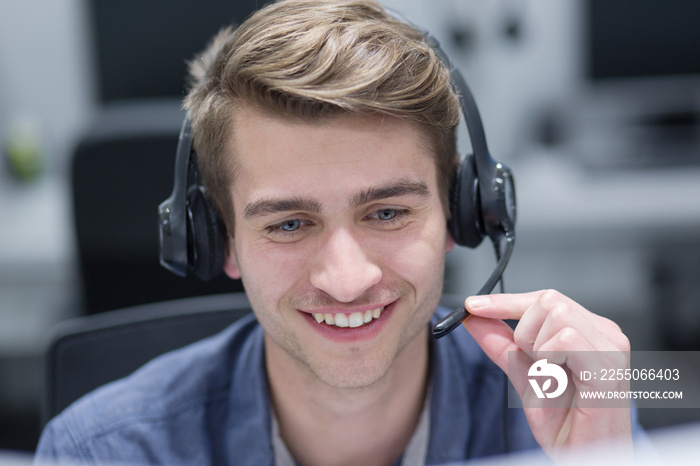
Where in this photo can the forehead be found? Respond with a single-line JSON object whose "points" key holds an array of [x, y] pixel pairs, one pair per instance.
{"points": [[357, 147]]}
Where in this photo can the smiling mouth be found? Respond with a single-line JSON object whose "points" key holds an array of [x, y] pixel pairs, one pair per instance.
{"points": [[352, 320]]}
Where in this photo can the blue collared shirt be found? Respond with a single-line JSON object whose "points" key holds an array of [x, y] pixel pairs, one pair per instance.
{"points": [[208, 403]]}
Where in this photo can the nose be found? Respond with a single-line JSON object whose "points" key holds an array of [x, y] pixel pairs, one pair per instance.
{"points": [[342, 267]]}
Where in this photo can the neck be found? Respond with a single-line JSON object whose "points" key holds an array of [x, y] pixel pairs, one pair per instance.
{"points": [[369, 425]]}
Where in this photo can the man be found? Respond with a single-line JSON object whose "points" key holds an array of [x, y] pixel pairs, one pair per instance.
{"points": [[325, 132]]}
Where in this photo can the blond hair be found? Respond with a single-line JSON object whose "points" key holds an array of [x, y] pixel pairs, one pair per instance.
{"points": [[312, 59]]}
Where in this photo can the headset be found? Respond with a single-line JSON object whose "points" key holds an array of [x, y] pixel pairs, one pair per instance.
{"points": [[482, 203]]}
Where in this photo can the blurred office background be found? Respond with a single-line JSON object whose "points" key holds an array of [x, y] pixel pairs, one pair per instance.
{"points": [[594, 104]]}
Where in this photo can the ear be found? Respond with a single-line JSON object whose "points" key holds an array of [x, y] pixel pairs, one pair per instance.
{"points": [[449, 242], [231, 264]]}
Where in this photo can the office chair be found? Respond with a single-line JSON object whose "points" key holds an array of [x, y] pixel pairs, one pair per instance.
{"points": [[122, 167], [90, 351], [121, 170]]}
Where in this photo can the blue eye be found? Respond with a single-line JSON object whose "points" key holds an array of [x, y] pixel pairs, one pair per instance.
{"points": [[288, 230], [389, 217], [290, 225], [386, 214]]}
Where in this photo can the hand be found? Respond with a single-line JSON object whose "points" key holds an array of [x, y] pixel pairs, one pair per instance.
{"points": [[551, 322]]}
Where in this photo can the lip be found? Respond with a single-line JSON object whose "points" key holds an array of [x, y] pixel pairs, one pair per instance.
{"points": [[347, 334]]}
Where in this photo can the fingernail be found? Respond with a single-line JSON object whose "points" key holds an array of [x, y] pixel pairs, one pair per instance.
{"points": [[475, 302]]}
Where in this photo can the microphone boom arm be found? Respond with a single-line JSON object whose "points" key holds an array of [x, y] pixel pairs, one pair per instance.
{"points": [[452, 321]]}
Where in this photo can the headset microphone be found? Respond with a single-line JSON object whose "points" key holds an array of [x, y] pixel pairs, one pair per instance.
{"points": [[459, 315]]}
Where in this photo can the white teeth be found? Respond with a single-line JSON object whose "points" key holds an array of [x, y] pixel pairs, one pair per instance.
{"points": [[341, 320], [353, 320]]}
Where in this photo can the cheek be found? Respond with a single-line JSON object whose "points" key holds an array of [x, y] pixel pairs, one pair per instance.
{"points": [[269, 271], [418, 258]]}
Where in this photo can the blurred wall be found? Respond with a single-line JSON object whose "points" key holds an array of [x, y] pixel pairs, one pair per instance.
{"points": [[45, 71]]}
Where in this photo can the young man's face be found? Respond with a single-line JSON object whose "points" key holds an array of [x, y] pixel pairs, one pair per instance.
{"points": [[338, 221]]}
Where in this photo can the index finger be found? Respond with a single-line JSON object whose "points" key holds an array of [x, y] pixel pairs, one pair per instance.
{"points": [[501, 306]]}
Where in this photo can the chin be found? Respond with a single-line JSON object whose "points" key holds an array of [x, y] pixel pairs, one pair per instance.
{"points": [[362, 368], [352, 378]]}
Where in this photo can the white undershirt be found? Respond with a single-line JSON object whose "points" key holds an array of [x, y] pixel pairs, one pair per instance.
{"points": [[414, 455]]}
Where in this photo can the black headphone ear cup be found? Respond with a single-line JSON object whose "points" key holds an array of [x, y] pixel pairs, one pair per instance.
{"points": [[206, 234], [466, 223]]}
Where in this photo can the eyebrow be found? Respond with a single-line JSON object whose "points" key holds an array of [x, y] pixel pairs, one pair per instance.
{"points": [[271, 206], [401, 188], [266, 206]]}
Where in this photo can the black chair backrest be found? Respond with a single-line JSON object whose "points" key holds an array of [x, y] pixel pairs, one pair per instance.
{"points": [[121, 171], [87, 352]]}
